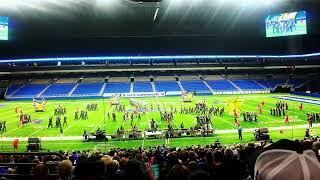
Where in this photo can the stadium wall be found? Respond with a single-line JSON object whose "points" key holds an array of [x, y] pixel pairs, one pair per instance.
{"points": [[305, 94], [169, 93]]}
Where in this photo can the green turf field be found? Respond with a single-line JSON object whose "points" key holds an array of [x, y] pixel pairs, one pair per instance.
{"points": [[98, 119]]}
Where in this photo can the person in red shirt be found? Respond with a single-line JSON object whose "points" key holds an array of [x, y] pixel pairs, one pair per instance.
{"points": [[15, 144], [235, 113], [287, 119], [300, 107], [236, 122]]}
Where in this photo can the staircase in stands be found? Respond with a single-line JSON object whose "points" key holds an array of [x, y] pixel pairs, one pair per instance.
{"points": [[40, 94], [131, 87], [153, 87], [72, 90]]}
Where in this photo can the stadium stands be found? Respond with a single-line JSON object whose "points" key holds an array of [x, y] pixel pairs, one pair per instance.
{"points": [[142, 87], [164, 78], [213, 77], [271, 83], [296, 82], [221, 85], [30, 90], [13, 89], [117, 87], [40, 81], [65, 80], [211, 161], [118, 79], [274, 82], [188, 77], [164, 86], [237, 76], [58, 90], [141, 78], [263, 83], [88, 88], [93, 80], [95, 85], [196, 85], [247, 85]]}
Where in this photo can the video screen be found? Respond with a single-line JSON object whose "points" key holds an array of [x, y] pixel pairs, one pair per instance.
{"points": [[4, 28], [286, 24]]}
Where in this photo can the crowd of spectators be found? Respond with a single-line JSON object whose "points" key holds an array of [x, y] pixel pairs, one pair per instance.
{"points": [[168, 163]]}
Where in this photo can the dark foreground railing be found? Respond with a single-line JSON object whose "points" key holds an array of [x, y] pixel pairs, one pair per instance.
{"points": [[4, 167]]}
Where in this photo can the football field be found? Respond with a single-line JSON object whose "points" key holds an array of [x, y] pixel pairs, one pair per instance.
{"points": [[226, 131]]}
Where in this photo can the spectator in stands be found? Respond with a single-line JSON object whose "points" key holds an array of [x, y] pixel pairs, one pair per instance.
{"points": [[64, 170], [218, 166], [178, 171], [41, 172], [287, 164], [24, 169], [199, 175]]}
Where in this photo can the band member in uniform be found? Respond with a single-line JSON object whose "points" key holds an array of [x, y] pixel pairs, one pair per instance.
{"points": [[50, 122], [182, 126], [58, 121], [65, 121]]}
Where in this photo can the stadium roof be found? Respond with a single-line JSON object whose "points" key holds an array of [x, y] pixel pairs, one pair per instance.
{"points": [[60, 27]]}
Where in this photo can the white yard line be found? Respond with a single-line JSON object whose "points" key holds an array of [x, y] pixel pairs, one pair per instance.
{"points": [[228, 131], [35, 132], [220, 119], [13, 129]]}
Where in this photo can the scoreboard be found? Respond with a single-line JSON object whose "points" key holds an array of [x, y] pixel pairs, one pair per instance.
{"points": [[4, 28]]}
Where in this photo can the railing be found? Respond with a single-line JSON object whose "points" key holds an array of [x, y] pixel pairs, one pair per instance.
{"points": [[30, 174]]}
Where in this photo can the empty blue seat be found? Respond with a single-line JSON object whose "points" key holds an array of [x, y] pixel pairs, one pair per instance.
{"points": [[247, 85], [274, 82], [296, 82], [271, 83], [58, 89], [142, 87], [30, 90], [88, 88], [12, 89], [197, 86], [164, 86], [263, 83], [221, 85], [117, 87]]}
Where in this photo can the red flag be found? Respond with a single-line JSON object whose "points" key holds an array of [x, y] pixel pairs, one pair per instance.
{"points": [[287, 119], [236, 123], [235, 113]]}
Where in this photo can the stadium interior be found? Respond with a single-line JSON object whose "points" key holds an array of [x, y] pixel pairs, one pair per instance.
{"points": [[159, 89]]}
